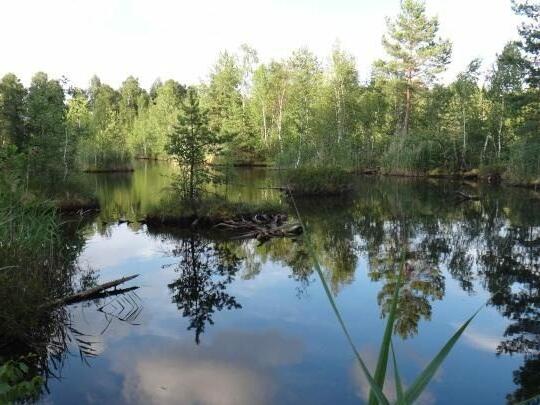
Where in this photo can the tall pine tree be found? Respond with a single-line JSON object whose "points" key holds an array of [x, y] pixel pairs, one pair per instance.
{"points": [[416, 53]]}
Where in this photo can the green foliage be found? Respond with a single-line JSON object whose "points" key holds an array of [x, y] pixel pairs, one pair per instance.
{"points": [[153, 125], [47, 147], [190, 142], [417, 54], [15, 382], [530, 32], [12, 111], [11, 166], [300, 111]]}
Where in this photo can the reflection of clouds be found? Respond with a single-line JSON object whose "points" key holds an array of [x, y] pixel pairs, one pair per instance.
{"points": [[165, 381], [479, 340], [270, 276], [369, 355], [235, 368], [122, 245]]}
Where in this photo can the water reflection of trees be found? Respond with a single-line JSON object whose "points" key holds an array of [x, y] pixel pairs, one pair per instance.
{"points": [[510, 266], [205, 271], [493, 243]]}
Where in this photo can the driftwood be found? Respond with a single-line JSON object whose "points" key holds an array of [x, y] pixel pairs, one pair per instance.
{"points": [[261, 227], [94, 292]]}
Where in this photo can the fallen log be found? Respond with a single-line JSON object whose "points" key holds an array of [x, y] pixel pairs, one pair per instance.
{"points": [[91, 293]]}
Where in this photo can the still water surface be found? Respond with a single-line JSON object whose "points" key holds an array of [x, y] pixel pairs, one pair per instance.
{"points": [[230, 322]]}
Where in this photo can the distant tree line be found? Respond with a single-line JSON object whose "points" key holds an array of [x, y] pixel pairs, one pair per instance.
{"points": [[303, 112]]}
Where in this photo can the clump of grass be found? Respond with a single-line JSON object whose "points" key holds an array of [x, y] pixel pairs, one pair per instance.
{"points": [[307, 181]]}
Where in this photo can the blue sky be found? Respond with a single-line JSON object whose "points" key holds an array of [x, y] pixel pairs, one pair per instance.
{"points": [[181, 39]]}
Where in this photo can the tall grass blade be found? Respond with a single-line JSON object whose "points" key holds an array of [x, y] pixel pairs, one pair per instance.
{"points": [[377, 391], [423, 379], [399, 386], [382, 362]]}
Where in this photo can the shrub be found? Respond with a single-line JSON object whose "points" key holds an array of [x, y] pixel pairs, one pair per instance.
{"points": [[16, 384]]}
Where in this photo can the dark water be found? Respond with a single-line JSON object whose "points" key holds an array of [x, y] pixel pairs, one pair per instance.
{"points": [[228, 322]]}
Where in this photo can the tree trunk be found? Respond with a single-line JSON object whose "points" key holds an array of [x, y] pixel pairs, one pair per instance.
{"points": [[191, 192], [65, 155], [485, 148], [500, 130], [280, 119], [265, 129], [408, 97], [339, 114], [463, 117]]}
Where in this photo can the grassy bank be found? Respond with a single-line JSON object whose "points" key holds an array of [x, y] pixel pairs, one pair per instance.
{"points": [[205, 213]]}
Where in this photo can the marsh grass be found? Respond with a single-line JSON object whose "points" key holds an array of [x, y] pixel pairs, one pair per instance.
{"points": [[28, 227], [36, 266]]}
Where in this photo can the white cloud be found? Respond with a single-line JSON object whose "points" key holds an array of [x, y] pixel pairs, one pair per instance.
{"points": [[181, 39]]}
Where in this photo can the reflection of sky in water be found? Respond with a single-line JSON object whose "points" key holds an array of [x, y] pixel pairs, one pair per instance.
{"points": [[281, 347]]}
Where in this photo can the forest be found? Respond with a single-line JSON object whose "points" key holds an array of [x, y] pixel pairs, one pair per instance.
{"points": [[304, 111], [217, 176]]}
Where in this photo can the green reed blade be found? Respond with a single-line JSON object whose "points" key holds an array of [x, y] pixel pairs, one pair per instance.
{"points": [[399, 386], [423, 379], [382, 362]]}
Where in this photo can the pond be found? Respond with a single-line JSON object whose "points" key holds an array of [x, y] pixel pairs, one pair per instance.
{"points": [[231, 322]]}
